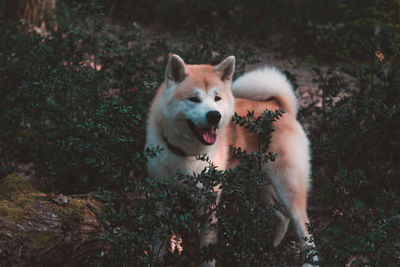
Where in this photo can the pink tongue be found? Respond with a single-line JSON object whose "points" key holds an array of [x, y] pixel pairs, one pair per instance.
{"points": [[210, 136]]}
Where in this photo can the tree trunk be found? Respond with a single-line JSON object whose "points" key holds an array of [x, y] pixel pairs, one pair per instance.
{"points": [[37, 229], [35, 14]]}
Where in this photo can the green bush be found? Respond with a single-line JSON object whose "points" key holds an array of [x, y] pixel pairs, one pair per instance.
{"points": [[74, 104], [244, 223], [356, 166], [359, 166]]}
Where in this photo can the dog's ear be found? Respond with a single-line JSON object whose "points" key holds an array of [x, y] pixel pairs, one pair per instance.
{"points": [[176, 69], [226, 68]]}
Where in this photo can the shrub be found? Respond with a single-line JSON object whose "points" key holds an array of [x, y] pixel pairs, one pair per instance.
{"points": [[357, 158], [61, 106], [74, 103], [355, 166], [244, 223]]}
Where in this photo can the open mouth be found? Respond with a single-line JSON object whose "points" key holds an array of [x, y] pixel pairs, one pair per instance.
{"points": [[207, 136]]}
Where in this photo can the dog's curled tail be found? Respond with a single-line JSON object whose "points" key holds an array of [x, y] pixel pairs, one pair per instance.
{"points": [[266, 83]]}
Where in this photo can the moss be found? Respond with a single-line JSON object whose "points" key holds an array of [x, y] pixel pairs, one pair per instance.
{"points": [[16, 198], [76, 207], [13, 185], [42, 239]]}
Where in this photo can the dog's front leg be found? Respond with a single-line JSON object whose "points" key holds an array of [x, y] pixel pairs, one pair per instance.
{"points": [[208, 236]]}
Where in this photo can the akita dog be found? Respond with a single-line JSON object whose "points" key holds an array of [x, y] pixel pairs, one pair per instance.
{"points": [[191, 115]]}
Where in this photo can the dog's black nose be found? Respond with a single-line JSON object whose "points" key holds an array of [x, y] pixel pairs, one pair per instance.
{"points": [[213, 117]]}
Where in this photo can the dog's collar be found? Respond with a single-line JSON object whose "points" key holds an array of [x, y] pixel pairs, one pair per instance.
{"points": [[174, 149]]}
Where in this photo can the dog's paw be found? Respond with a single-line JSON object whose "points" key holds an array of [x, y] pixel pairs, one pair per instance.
{"points": [[313, 258]]}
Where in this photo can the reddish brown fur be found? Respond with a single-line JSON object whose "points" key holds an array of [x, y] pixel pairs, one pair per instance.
{"points": [[198, 76], [289, 178], [241, 137]]}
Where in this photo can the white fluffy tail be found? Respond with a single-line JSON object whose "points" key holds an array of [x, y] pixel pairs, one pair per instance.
{"points": [[265, 83]]}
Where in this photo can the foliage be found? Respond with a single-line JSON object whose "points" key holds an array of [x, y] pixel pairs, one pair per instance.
{"points": [[359, 148], [74, 103], [61, 105], [356, 149], [244, 222]]}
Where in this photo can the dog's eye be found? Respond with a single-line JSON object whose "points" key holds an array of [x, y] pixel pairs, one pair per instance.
{"points": [[194, 99], [217, 98]]}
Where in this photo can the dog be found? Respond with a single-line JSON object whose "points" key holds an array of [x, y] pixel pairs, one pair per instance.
{"points": [[191, 115]]}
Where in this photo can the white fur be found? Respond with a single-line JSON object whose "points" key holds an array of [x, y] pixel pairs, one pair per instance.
{"points": [[264, 83], [289, 174]]}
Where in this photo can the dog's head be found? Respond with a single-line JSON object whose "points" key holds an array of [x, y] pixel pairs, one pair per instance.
{"points": [[197, 99]]}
